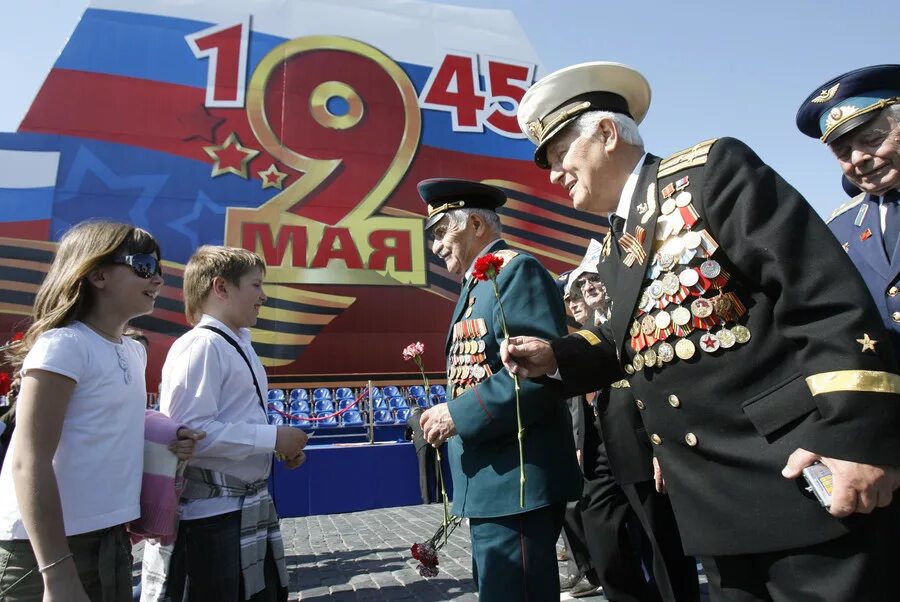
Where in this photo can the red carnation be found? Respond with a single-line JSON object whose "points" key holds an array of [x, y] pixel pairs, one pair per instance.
{"points": [[487, 267], [5, 382]]}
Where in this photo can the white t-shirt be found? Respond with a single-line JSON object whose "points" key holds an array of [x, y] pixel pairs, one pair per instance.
{"points": [[100, 457]]}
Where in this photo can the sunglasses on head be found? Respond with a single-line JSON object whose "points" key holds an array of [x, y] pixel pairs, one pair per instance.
{"points": [[143, 264]]}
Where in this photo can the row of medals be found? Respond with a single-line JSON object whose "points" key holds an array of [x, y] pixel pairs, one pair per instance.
{"points": [[467, 356], [676, 291]]}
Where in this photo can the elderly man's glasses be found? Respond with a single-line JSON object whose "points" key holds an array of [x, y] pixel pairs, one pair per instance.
{"points": [[581, 283]]}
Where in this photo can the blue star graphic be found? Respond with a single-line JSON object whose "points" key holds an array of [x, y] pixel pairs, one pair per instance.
{"points": [[199, 228], [125, 198]]}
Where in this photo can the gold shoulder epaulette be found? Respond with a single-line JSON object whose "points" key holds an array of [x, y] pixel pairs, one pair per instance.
{"points": [[506, 255], [846, 206], [689, 157]]}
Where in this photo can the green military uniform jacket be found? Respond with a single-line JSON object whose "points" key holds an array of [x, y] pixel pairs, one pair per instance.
{"points": [[484, 455], [741, 326]]}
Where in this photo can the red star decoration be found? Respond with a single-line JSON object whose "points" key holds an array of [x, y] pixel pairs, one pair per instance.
{"points": [[272, 178], [708, 342], [230, 157], [199, 124]]}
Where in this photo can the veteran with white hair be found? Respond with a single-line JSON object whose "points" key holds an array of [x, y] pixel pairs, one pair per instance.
{"points": [[737, 320]]}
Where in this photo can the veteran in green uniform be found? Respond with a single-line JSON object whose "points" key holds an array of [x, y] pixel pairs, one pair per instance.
{"points": [[513, 544], [745, 332]]}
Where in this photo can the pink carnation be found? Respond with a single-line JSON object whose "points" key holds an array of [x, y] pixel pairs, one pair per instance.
{"points": [[413, 350]]}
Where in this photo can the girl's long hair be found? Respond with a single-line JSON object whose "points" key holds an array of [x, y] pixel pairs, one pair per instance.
{"points": [[65, 294]]}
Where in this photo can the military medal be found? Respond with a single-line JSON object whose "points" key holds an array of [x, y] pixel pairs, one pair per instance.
{"points": [[629, 369], [701, 308], [663, 320], [665, 352], [709, 343], [666, 261], [685, 349], [867, 234], [681, 316], [683, 199], [691, 240], [668, 206], [470, 308], [478, 371], [656, 289], [648, 325], [649, 358], [689, 278], [638, 362], [635, 328], [481, 346], [726, 338], [741, 334], [670, 284], [710, 268]]}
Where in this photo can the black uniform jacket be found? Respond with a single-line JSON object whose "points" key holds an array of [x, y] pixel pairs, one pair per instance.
{"points": [[788, 373]]}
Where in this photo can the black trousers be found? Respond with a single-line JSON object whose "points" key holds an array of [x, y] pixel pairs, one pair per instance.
{"points": [[614, 550], [576, 540], [673, 573], [206, 563], [858, 567]]}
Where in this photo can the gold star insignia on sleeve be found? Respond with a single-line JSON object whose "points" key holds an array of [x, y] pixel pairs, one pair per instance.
{"points": [[272, 178], [230, 157], [868, 344]]}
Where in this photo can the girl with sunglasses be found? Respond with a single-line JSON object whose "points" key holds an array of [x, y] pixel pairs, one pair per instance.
{"points": [[72, 479]]}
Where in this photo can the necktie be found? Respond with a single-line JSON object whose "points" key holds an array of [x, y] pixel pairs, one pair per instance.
{"points": [[617, 225], [891, 222]]}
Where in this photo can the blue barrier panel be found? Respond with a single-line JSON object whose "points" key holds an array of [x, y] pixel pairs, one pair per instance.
{"points": [[348, 478]]}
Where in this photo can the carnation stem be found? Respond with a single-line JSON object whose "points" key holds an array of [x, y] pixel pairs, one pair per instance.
{"points": [[520, 433], [437, 459]]}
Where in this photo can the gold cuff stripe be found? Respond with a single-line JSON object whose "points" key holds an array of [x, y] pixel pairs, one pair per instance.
{"points": [[866, 381], [588, 336]]}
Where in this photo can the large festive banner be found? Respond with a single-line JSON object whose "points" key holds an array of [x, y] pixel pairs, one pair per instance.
{"points": [[295, 129]]}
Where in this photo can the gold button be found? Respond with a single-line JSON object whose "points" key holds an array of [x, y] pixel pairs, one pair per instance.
{"points": [[895, 316], [674, 401], [640, 404], [893, 291], [690, 439], [656, 439]]}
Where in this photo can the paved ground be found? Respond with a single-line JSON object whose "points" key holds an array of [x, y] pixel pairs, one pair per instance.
{"points": [[365, 556]]}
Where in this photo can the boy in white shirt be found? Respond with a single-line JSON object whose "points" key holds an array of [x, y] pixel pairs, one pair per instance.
{"points": [[229, 545]]}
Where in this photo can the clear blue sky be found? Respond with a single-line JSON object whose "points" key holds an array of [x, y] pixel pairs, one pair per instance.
{"points": [[717, 67]]}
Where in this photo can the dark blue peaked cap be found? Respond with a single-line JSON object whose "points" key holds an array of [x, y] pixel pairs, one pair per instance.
{"points": [[848, 101], [443, 194]]}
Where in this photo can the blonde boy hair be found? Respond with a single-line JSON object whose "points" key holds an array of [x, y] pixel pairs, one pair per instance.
{"points": [[208, 263]]}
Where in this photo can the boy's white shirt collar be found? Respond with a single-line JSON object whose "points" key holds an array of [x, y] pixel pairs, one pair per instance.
{"points": [[243, 334]]}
